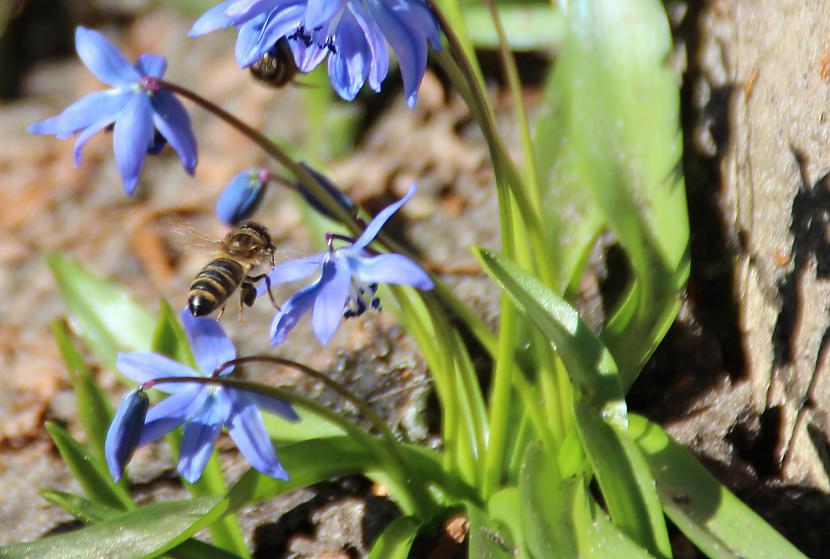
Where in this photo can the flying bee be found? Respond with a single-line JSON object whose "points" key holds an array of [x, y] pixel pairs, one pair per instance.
{"points": [[276, 67], [243, 248]]}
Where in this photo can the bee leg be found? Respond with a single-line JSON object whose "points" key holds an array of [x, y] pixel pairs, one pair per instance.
{"points": [[247, 296], [221, 312], [264, 277]]}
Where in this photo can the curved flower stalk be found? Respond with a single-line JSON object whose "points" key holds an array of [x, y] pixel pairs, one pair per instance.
{"points": [[348, 277], [352, 33], [145, 116], [203, 408]]}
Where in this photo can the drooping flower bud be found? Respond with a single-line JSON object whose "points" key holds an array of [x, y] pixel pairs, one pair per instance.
{"points": [[242, 196], [344, 201], [125, 431]]}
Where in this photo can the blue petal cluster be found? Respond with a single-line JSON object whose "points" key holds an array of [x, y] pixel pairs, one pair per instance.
{"points": [[203, 408], [352, 33], [348, 277], [143, 114]]}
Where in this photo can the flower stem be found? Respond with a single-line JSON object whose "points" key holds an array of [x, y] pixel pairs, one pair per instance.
{"points": [[271, 149]]}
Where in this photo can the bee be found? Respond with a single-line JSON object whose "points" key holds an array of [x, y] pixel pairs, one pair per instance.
{"points": [[276, 67], [243, 248]]}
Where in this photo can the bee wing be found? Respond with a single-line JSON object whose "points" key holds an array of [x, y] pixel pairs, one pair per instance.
{"points": [[188, 238]]}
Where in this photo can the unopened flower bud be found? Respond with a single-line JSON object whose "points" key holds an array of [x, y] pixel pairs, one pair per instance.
{"points": [[242, 196], [344, 201], [125, 431]]}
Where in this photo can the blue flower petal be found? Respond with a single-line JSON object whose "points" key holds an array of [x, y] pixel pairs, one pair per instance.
{"points": [[151, 65], [308, 56], [213, 19], [248, 432], [143, 366], [104, 59], [295, 307], [379, 221], [408, 42], [124, 431], [330, 301], [391, 268], [132, 136], [319, 12], [244, 10], [83, 113], [273, 405], [349, 64], [251, 46], [292, 270], [200, 434], [211, 346], [172, 411], [173, 122], [379, 65], [84, 137]]}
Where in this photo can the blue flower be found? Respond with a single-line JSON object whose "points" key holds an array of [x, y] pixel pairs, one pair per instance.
{"points": [[203, 408], [144, 114], [353, 33], [242, 196], [348, 277]]}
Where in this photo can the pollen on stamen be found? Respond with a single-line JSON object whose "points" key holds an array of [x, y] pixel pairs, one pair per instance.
{"points": [[150, 84]]}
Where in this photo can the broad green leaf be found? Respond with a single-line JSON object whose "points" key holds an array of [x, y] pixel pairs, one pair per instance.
{"points": [[92, 475], [504, 506], [145, 532], [529, 26], [310, 426], [106, 317], [169, 338], [548, 509], [396, 539], [89, 513], [707, 512], [606, 540], [599, 407], [317, 460], [94, 411], [489, 538], [617, 100]]}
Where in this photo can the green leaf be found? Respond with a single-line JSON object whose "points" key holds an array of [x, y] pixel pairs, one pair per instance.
{"points": [[396, 539], [617, 103], [94, 411], [106, 317], [92, 475], [89, 513], [599, 407], [548, 507], [529, 26], [708, 513], [489, 538], [505, 506], [169, 338], [310, 426], [145, 532]]}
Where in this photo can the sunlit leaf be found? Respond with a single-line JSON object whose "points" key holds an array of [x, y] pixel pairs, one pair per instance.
{"points": [[529, 26], [616, 100], [599, 407], [89, 513], [504, 507], [489, 538], [704, 510], [94, 411], [396, 539], [107, 318], [145, 532], [92, 474]]}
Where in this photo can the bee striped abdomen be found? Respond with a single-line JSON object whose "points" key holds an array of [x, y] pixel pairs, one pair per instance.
{"points": [[213, 285]]}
